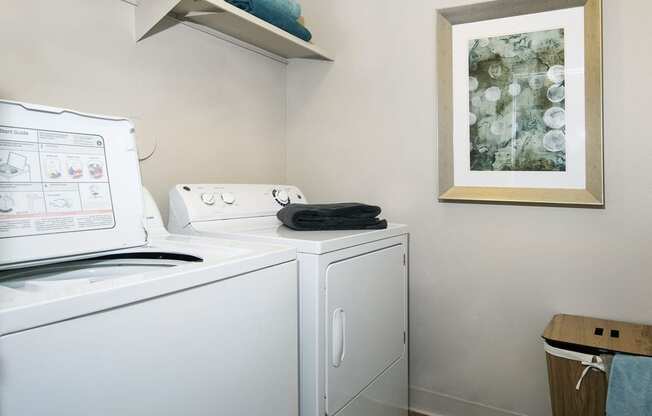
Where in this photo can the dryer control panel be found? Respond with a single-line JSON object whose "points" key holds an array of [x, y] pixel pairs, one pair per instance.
{"points": [[211, 202]]}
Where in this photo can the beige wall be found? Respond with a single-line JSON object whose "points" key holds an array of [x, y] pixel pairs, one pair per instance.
{"points": [[216, 110], [485, 279]]}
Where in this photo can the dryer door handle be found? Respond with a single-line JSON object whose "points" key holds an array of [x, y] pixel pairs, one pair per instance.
{"points": [[338, 337]]}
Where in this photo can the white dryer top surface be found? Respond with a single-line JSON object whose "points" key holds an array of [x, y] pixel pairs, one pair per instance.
{"points": [[271, 230], [248, 212], [42, 295]]}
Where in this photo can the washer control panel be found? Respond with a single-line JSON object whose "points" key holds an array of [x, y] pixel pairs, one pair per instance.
{"points": [[206, 202]]}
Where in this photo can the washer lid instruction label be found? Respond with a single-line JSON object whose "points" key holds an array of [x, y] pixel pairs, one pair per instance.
{"points": [[52, 182]]}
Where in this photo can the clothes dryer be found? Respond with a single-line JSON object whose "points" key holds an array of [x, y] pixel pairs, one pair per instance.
{"points": [[353, 294]]}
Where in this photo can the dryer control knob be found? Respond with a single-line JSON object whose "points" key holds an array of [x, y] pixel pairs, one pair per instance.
{"points": [[228, 198], [282, 196], [208, 198]]}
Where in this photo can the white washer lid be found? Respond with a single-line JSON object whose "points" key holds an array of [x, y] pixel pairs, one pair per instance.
{"points": [[78, 190]]}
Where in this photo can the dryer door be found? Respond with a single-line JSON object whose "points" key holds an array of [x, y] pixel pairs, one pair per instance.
{"points": [[366, 317]]}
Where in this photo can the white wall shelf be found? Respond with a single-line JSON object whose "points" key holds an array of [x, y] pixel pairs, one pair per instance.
{"points": [[228, 19]]}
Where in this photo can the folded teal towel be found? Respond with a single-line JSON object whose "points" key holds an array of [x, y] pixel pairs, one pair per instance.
{"points": [[281, 13], [630, 386], [288, 7]]}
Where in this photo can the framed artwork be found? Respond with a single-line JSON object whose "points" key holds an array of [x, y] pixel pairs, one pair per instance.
{"points": [[520, 102]]}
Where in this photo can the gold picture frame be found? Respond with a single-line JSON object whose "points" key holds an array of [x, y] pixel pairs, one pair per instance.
{"points": [[593, 193]]}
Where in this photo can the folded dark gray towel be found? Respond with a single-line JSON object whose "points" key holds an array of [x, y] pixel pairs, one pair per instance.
{"points": [[321, 217]]}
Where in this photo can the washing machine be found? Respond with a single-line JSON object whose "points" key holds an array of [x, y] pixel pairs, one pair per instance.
{"points": [[352, 291], [103, 313]]}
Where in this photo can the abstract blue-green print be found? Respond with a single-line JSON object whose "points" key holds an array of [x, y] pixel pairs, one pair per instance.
{"points": [[517, 98]]}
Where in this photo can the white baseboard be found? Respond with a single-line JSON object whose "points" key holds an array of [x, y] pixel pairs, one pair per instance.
{"points": [[431, 403]]}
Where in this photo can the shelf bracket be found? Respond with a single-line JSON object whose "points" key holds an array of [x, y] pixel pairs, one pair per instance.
{"points": [[149, 13]]}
